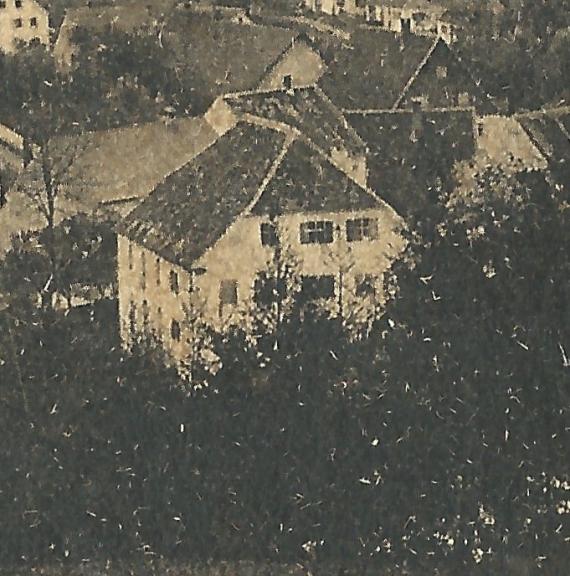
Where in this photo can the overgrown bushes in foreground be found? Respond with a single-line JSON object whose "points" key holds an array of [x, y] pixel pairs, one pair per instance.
{"points": [[436, 443]]}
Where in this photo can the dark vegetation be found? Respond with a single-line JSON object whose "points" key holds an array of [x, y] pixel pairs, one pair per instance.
{"points": [[437, 442]]}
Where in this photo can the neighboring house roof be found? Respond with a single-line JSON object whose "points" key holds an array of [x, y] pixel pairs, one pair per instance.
{"points": [[305, 109], [251, 168], [110, 170], [222, 55], [412, 154], [373, 73]]}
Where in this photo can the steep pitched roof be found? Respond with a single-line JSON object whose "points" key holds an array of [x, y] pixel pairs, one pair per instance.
{"points": [[413, 153], [224, 55], [373, 73], [191, 209], [305, 109], [306, 181], [113, 169], [251, 168], [549, 133]]}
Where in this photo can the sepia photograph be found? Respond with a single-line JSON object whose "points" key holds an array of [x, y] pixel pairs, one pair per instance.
{"points": [[284, 287]]}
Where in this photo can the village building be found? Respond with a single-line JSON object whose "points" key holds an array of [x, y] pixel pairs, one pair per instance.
{"points": [[135, 160], [412, 155], [381, 71], [22, 22], [11, 159], [207, 236], [420, 17]]}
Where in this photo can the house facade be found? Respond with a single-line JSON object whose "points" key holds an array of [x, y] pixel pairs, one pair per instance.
{"points": [[210, 239], [419, 17], [22, 22]]}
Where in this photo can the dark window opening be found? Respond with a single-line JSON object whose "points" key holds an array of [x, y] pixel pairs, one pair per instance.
{"points": [[174, 285], [288, 81], [18, 22], [145, 312], [317, 287], [316, 232], [130, 256], [361, 229], [18, 3], [228, 292], [143, 271], [34, 22], [157, 270], [132, 318], [2, 3], [268, 289], [268, 232], [175, 330]]}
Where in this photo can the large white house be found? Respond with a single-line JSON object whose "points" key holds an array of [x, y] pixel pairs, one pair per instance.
{"points": [[206, 239], [22, 22]]}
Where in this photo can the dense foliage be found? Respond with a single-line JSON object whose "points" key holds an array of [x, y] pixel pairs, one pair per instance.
{"points": [[436, 442]]}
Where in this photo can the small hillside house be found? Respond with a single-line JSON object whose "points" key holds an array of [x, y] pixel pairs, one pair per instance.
{"points": [[206, 239], [22, 22]]}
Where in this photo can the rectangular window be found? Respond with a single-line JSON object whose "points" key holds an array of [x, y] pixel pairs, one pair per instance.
{"points": [[18, 22], [2, 3], [317, 287], [268, 289], [441, 72], [145, 313], [365, 285], [268, 232], [361, 229], [18, 3], [157, 270], [463, 99], [130, 256], [175, 330], [174, 286], [34, 22], [228, 292], [316, 232], [132, 318]]}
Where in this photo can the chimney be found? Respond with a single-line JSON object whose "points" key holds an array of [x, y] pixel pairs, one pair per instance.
{"points": [[406, 26]]}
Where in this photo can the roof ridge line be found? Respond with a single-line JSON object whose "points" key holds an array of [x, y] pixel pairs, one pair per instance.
{"points": [[339, 113], [415, 75], [289, 139], [441, 109]]}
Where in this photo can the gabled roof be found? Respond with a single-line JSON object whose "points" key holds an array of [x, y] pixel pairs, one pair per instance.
{"points": [[548, 130], [224, 55], [306, 181], [411, 153], [250, 169], [373, 73], [305, 109]]}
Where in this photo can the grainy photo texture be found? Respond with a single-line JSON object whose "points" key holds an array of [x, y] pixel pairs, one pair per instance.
{"points": [[284, 287]]}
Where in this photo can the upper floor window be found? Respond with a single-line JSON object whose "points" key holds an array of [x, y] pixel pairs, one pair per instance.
{"points": [[132, 317], [18, 22], [175, 330], [2, 3], [316, 232], [268, 232], [174, 285], [18, 3], [34, 22], [130, 256], [317, 287], [361, 229], [228, 292], [157, 270], [146, 315]]}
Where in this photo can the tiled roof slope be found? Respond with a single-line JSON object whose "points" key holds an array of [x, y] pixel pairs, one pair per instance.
{"points": [[307, 182], [191, 210], [412, 152], [305, 109], [221, 55], [250, 168], [548, 131], [373, 73]]}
